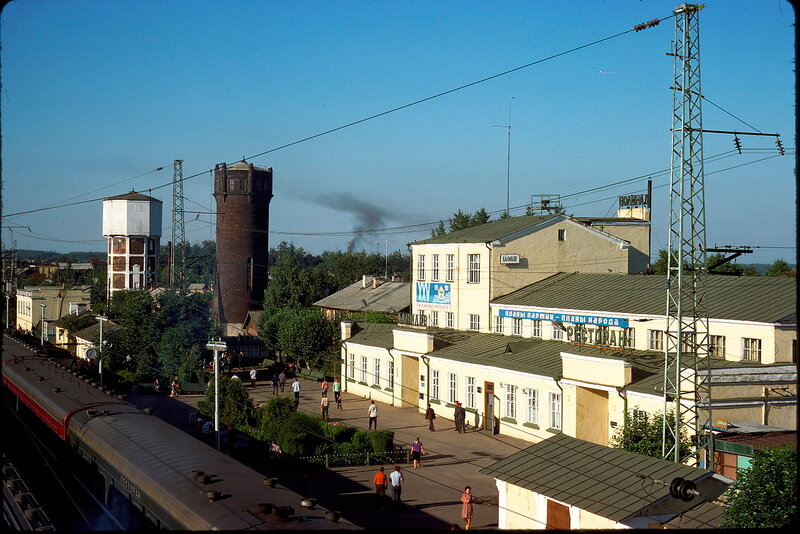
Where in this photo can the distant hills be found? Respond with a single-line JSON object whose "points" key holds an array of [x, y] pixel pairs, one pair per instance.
{"points": [[50, 255]]}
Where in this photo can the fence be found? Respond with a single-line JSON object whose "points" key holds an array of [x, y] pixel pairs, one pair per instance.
{"points": [[397, 455]]}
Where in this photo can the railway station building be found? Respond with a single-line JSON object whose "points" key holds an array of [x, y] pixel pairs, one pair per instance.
{"points": [[532, 353]]}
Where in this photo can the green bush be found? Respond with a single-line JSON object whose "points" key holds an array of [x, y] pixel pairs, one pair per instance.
{"points": [[381, 440], [361, 440], [235, 405], [339, 433], [300, 434], [272, 417]]}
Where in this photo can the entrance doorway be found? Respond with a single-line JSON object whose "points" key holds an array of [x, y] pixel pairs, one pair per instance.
{"points": [[490, 422]]}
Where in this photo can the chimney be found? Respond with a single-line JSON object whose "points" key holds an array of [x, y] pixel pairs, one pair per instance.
{"points": [[363, 281], [347, 330], [376, 281]]}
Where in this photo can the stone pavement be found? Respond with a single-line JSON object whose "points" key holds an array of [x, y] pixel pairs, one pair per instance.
{"points": [[430, 494]]}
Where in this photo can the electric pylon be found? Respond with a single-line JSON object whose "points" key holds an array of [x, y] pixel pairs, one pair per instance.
{"points": [[686, 362], [177, 260]]}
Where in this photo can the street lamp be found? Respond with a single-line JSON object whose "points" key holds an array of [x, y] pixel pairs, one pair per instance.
{"points": [[7, 315], [43, 327], [217, 346]]}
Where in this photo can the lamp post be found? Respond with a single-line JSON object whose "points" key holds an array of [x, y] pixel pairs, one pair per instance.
{"points": [[217, 347], [7, 315], [43, 327], [102, 319]]}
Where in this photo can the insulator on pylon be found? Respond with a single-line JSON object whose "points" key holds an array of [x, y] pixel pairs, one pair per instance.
{"points": [[737, 143], [779, 145]]}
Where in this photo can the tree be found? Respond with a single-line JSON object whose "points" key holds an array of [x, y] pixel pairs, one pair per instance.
{"points": [[643, 434], [289, 286], [765, 494], [439, 230], [235, 405], [306, 334], [779, 268]]}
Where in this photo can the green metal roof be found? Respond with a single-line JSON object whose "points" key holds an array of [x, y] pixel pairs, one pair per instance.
{"points": [[486, 233], [746, 298], [592, 477], [534, 356]]}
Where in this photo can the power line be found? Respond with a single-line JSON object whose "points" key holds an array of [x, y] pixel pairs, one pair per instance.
{"points": [[374, 116]]}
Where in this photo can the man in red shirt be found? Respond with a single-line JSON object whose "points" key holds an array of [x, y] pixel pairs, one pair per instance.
{"points": [[380, 486]]}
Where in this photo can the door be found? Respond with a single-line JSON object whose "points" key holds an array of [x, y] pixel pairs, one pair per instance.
{"points": [[557, 516], [489, 420]]}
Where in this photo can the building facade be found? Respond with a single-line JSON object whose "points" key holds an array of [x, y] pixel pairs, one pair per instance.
{"points": [[58, 301]]}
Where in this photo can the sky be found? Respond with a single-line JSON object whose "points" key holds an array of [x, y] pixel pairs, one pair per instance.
{"points": [[96, 95]]}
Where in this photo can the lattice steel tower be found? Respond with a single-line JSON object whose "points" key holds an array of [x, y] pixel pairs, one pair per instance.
{"points": [[686, 360], [177, 259]]}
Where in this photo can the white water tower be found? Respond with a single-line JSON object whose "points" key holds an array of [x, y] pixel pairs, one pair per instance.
{"points": [[132, 224]]}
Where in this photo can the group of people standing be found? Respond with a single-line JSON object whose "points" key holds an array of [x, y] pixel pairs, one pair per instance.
{"points": [[324, 404]]}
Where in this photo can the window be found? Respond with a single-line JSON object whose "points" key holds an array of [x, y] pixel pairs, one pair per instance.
{"points": [[390, 374], [450, 268], [474, 321], [449, 319], [562, 234], [474, 262], [716, 346], [558, 333], [555, 410], [435, 267], [434, 318], [511, 401], [435, 384], [628, 337], [498, 324], [536, 328], [469, 399], [351, 368], [421, 267], [751, 349], [516, 327], [376, 377], [231, 184], [363, 368], [655, 340], [452, 393], [689, 343], [532, 406]]}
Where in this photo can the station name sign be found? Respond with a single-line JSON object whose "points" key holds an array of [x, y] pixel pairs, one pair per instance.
{"points": [[433, 295], [507, 259], [566, 318], [630, 201]]}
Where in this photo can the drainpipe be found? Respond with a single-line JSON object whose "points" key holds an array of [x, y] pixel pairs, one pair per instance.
{"points": [[344, 375], [765, 407], [393, 380], [489, 281], [558, 383]]}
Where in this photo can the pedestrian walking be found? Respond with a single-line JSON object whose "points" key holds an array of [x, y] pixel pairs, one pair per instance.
{"points": [[275, 385], [253, 374], [323, 404], [324, 387], [460, 417], [156, 385], [282, 380], [466, 507], [175, 387], [430, 415], [396, 478], [337, 393], [373, 415], [380, 487], [296, 390], [275, 454], [416, 450]]}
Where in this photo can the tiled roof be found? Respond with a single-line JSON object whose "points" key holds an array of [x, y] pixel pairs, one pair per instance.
{"points": [[592, 477], [388, 297], [91, 332], [761, 440], [745, 298], [488, 232]]}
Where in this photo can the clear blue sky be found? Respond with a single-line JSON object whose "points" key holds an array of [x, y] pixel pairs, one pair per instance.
{"points": [[96, 93]]}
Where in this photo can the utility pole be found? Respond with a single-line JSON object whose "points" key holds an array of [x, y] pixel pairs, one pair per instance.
{"points": [[508, 157], [687, 391], [43, 325], [217, 347], [177, 267]]}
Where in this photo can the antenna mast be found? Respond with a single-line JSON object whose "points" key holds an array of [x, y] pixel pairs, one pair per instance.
{"points": [[686, 360], [177, 271]]}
